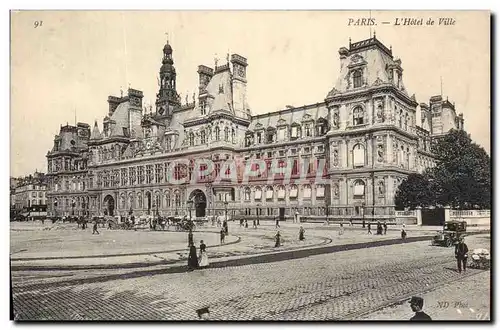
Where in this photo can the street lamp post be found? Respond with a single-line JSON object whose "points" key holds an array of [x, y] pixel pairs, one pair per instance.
{"points": [[190, 205], [363, 207], [225, 208], [258, 211]]}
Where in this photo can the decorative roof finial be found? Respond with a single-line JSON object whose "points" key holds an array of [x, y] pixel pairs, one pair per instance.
{"points": [[121, 91], [216, 60], [167, 37], [194, 96], [391, 48], [374, 34], [227, 56], [349, 41], [187, 93]]}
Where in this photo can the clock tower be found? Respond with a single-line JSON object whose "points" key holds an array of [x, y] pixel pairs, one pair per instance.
{"points": [[167, 98], [239, 82]]}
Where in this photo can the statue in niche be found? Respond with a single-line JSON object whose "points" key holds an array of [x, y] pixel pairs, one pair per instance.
{"points": [[336, 190], [335, 119], [395, 153], [335, 157], [380, 153], [381, 188], [380, 114]]}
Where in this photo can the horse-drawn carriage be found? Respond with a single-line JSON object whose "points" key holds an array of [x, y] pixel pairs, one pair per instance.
{"points": [[182, 224]]}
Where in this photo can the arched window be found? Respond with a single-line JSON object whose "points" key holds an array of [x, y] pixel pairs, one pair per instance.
{"points": [[217, 133], [359, 188], [258, 193], [307, 191], [358, 116], [357, 78], [269, 192], [247, 193], [293, 192], [226, 134], [203, 137], [191, 139], [406, 122], [401, 118], [233, 135], [248, 139], [281, 192], [122, 202], [358, 155]]}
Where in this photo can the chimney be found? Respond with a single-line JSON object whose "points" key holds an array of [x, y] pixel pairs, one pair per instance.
{"points": [[113, 102], [205, 74]]}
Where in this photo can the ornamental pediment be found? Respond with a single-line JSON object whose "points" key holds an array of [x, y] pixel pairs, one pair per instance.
{"points": [[306, 117]]}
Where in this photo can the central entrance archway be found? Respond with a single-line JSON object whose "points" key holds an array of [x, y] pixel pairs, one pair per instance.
{"points": [[109, 205], [199, 202]]}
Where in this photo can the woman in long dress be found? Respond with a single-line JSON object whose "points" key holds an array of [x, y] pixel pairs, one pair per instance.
{"points": [[193, 258], [203, 255]]}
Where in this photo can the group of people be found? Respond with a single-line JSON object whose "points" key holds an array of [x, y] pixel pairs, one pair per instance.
{"points": [[381, 228], [196, 261]]}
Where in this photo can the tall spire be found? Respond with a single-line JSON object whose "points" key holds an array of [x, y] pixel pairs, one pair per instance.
{"points": [[167, 95]]}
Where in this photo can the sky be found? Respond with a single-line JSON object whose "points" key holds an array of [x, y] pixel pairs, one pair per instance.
{"points": [[66, 67]]}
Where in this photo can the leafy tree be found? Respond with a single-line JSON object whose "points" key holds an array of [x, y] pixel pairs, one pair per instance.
{"points": [[461, 178], [462, 172], [414, 191]]}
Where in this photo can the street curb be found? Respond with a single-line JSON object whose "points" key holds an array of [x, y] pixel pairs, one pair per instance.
{"points": [[122, 254]]}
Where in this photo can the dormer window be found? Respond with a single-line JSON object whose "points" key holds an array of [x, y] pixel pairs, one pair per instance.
{"points": [[358, 116], [357, 78], [217, 133], [226, 134], [203, 137], [307, 129], [203, 108], [191, 139], [259, 137]]}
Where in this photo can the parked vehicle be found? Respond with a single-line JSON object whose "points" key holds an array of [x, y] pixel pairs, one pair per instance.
{"points": [[451, 234]]}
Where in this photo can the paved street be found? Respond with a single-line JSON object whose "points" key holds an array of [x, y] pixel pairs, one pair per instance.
{"points": [[342, 285]]}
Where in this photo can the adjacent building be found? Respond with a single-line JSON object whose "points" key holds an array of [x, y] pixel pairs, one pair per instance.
{"points": [[28, 195], [365, 130]]}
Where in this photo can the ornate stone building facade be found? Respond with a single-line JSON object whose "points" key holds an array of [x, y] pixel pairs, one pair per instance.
{"points": [[365, 132]]}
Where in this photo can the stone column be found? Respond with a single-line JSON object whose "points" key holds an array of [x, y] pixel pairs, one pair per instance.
{"points": [[418, 211]]}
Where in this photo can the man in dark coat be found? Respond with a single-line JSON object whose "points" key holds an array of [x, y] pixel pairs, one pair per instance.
{"points": [[94, 229], [416, 304], [461, 251], [385, 227], [193, 258], [370, 228]]}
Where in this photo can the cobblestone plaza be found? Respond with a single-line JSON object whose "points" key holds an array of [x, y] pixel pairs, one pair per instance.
{"points": [[328, 277]]}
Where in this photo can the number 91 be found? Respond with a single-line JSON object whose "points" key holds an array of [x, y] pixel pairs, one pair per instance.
{"points": [[37, 23]]}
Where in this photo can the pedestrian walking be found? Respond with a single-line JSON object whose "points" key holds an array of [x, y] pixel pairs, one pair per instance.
{"points": [[379, 228], [416, 305], [109, 224], [461, 251], [370, 228], [241, 222], [350, 223], [226, 228], [192, 258], [403, 232], [190, 238], [203, 255], [301, 233], [277, 222], [385, 227], [296, 216], [94, 229], [277, 238], [246, 223], [222, 236], [341, 229], [254, 224]]}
